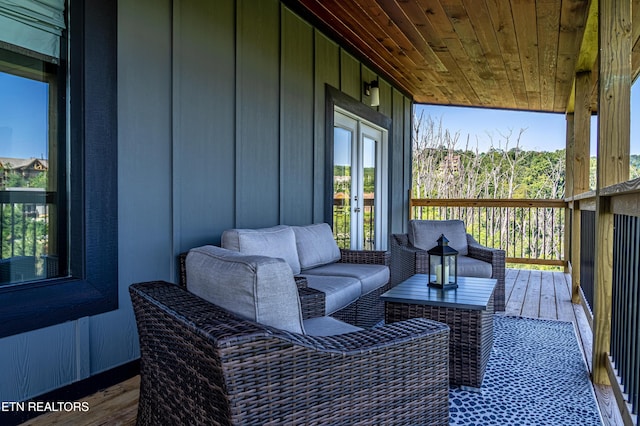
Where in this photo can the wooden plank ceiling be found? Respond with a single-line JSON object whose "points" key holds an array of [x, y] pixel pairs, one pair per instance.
{"points": [[517, 54]]}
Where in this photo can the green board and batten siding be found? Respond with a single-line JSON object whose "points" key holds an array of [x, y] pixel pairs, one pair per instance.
{"points": [[327, 71], [257, 141], [203, 119], [296, 121], [221, 115]]}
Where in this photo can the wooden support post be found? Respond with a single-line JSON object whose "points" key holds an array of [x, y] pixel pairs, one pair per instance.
{"points": [[581, 169], [582, 131], [613, 160], [569, 156], [568, 194]]}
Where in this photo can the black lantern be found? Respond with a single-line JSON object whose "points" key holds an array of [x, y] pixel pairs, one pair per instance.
{"points": [[443, 265]]}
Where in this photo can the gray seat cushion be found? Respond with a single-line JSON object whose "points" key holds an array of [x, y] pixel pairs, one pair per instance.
{"points": [[424, 234], [277, 241], [257, 288], [470, 267], [371, 277], [339, 291], [316, 245], [327, 326]]}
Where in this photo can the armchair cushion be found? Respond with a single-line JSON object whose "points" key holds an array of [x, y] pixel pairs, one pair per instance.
{"points": [[316, 245], [278, 241], [470, 267], [257, 288], [424, 234], [327, 326]]}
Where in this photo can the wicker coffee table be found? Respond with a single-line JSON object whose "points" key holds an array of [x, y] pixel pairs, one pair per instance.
{"points": [[467, 310]]}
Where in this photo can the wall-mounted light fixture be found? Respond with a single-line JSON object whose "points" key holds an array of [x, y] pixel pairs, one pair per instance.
{"points": [[373, 90]]}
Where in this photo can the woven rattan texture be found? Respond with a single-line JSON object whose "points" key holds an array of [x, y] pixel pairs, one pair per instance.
{"points": [[471, 336], [369, 309], [202, 365], [407, 260]]}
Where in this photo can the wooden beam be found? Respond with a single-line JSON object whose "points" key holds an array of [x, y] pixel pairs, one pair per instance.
{"points": [[613, 160], [528, 261], [488, 202], [588, 49], [589, 46]]}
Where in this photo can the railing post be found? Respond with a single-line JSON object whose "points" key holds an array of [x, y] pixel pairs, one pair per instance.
{"points": [[576, 230], [614, 125], [568, 194]]}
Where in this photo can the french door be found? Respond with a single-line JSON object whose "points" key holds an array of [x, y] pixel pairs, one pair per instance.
{"points": [[359, 183]]}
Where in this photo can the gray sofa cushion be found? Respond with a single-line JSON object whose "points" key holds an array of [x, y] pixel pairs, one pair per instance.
{"points": [[258, 288], [278, 241], [316, 245], [371, 277], [339, 291], [424, 234], [327, 326], [470, 267]]}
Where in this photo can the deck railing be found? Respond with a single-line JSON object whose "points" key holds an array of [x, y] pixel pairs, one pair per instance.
{"points": [[625, 312], [530, 231], [342, 222], [24, 229], [623, 344]]}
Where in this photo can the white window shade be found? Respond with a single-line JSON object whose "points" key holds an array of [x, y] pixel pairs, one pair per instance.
{"points": [[33, 24]]}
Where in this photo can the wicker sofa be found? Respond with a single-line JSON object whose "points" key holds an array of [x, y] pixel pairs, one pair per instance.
{"points": [[204, 364], [409, 254], [350, 281]]}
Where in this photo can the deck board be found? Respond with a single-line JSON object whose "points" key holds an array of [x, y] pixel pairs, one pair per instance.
{"points": [[528, 293], [531, 304], [548, 308], [516, 299]]}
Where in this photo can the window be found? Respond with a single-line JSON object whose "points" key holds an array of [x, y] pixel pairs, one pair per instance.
{"points": [[31, 138], [58, 189]]}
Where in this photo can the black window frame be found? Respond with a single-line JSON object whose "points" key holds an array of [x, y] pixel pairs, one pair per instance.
{"points": [[91, 287]]}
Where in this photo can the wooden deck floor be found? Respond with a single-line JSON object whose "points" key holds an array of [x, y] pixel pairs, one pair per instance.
{"points": [[533, 294]]}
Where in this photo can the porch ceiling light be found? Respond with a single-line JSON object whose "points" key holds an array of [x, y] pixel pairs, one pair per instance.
{"points": [[373, 90]]}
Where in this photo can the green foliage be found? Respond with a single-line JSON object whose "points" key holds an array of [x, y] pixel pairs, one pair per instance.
{"points": [[634, 169], [505, 171], [24, 230]]}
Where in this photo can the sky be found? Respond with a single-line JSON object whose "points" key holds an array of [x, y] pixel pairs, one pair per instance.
{"points": [[23, 117], [23, 122], [544, 131]]}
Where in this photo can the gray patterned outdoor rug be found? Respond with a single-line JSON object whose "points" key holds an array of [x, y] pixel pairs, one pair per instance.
{"points": [[536, 376]]}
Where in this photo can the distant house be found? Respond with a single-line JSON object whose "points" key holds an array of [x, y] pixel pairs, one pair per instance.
{"points": [[450, 163], [28, 168]]}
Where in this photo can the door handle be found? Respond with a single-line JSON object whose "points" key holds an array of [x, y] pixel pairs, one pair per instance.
{"points": [[357, 210]]}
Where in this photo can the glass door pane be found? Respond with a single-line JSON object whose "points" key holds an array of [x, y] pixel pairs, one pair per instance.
{"points": [[369, 192], [342, 162]]}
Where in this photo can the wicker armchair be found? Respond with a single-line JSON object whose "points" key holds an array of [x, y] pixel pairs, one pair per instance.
{"points": [[407, 260], [200, 364]]}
